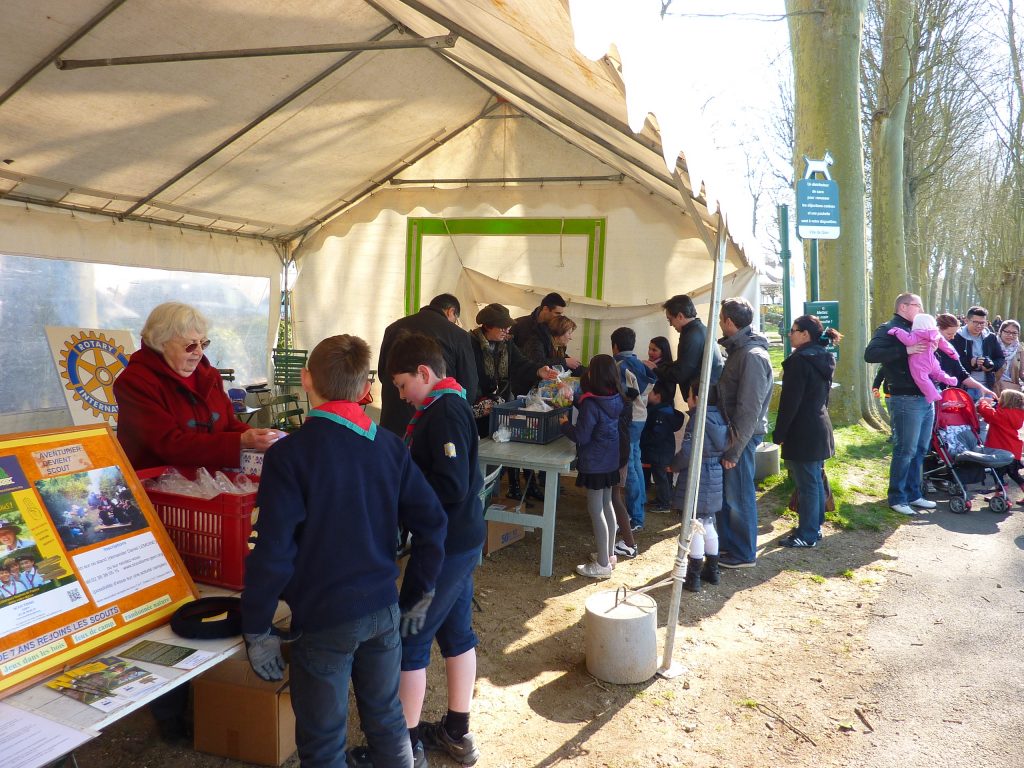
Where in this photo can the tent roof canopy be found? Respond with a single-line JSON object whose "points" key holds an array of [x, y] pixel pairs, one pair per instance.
{"points": [[274, 146]]}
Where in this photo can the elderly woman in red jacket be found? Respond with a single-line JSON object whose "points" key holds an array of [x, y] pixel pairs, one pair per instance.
{"points": [[171, 404]]}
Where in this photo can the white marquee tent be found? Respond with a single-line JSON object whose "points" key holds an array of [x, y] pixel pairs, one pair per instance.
{"points": [[393, 149]]}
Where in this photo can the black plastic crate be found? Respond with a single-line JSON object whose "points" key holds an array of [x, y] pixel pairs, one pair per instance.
{"points": [[527, 426]]}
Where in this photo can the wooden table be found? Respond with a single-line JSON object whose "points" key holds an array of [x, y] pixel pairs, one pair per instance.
{"points": [[51, 704], [554, 459]]}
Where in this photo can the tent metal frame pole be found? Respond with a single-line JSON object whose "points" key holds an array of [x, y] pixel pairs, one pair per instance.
{"points": [[266, 114], [439, 41], [56, 52], [387, 178], [116, 216], [490, 82], [529, 72], [668, 667], [511, 179]]}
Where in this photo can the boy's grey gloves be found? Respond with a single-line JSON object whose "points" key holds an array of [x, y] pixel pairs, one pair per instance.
{"points": [[414, 617], [264, 652]]}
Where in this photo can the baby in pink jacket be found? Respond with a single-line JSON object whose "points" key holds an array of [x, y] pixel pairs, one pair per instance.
{"points": [[923, 365]]}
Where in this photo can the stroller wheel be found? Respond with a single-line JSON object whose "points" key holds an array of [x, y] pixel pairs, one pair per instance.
{"points": [[959, 506], [998, 504]]}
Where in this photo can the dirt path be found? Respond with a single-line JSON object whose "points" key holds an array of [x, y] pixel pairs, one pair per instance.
{"points": [[874, 649]]}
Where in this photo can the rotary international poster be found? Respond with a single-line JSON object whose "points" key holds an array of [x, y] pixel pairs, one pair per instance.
{"points": [[88, 360], [84, 560]]}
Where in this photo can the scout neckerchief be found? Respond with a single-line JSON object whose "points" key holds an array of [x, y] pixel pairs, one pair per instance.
{"points": [[348, 414], [446, 386]]}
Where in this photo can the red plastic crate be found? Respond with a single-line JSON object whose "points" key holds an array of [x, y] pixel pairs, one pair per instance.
{"points": [[211, 535]]}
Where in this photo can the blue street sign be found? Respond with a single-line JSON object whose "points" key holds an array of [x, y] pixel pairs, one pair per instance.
{"points": [[817, 209]]}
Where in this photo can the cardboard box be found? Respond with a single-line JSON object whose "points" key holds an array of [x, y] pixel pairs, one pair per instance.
{"points": [[241, 717], [501, 534]]}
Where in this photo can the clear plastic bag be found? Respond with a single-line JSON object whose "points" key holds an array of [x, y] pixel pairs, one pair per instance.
{"points": [[536, 402]]}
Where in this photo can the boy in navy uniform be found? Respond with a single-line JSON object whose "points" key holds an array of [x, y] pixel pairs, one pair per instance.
{"points": [[331, 498], [443, 441]]}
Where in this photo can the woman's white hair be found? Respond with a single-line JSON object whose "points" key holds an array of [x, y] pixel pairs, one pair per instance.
{"points": [[171, 320]]}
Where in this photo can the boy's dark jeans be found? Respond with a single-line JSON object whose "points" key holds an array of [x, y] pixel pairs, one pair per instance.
{"points": [[367, 650], [662, 478]]}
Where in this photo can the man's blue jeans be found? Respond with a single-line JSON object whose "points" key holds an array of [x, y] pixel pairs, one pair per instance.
{"points": [[912, 417], [737, 520], [367, 650], [811, 498], [636, 486]]}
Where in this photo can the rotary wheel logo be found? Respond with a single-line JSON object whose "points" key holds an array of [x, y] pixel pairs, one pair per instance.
{"points": [[89, 364]]}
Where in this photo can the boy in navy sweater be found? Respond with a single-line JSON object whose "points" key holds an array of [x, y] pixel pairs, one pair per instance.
{"points": [[331, 497], [443, 440], [658, 443]]}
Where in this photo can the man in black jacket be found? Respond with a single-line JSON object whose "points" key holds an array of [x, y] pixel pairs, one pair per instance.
{"points": [[911, 414], [535, 324], [438, 320], [682, 315]]}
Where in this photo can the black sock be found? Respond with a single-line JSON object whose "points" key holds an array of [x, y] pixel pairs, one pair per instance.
{"points": [[456, 724], [414, 735]]}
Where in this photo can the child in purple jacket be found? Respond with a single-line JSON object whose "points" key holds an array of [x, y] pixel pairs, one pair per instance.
{"points": [[924, 366]]}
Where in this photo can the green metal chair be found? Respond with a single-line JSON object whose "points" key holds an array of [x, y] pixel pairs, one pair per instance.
{"points": [[288, 365], [285, 412]]}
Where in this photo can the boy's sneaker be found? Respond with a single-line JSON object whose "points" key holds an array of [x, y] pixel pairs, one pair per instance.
{"points": [[435, 737], [661, 508], [634, 527], [622, 549], [594, 571]]}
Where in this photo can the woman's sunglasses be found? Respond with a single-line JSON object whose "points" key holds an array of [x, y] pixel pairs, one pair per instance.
{"points": [[193, 346]]}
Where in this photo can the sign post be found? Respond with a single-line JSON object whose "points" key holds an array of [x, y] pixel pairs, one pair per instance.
{"points": [[817, 210], [828, 313]]}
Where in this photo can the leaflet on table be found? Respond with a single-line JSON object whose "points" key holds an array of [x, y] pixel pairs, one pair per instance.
{"points": [[84, 560], [165, 654], [108, 684]]}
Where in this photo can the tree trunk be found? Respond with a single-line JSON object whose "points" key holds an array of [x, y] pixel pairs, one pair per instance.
{"points": [[888, 244], [826, 72]]}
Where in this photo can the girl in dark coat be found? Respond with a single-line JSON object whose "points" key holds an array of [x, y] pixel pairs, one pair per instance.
{"points": [[596, 434], [803, 427], [703, 557]]}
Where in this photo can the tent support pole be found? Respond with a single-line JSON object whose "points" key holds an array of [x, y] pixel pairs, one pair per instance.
{"points": [[528, 71], [669, 668], [56, 52], [512, 180], [440, 41], [253, 123], [378, 183]]}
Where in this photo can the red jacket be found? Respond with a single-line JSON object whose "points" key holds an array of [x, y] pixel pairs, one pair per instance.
{"points": [[161, 421], [1003, 428]]}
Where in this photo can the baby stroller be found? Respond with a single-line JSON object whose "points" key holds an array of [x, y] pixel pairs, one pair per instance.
{"points": [[958, 459]]}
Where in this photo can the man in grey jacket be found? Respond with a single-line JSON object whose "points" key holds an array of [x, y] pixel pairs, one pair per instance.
{"points": [[744, 391]]}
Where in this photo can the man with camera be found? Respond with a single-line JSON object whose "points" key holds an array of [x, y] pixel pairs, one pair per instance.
{"points": [[979, 349]]}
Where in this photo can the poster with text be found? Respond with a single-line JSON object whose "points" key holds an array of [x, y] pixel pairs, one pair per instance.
{"points": [[88, 360], [84, 561]]}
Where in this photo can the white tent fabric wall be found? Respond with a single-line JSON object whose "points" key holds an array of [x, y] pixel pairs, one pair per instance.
{"points": [[352, 275], [56, 234]]}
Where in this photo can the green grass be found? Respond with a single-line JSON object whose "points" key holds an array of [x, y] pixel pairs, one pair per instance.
{"points": [[777, 354], [859, 477]]}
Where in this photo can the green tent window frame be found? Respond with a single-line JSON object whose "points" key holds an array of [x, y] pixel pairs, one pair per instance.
{"points": [[593, 229]]}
